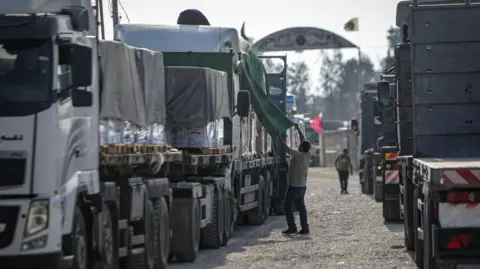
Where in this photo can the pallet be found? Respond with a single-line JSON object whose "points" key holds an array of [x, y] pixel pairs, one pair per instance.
{"points": [[205, 160], [207, 156], [208, 151], [137, 154], [122, 149]]}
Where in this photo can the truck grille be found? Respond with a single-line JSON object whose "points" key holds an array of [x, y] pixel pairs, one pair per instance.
{"points": [[8, 222], [12, 171]]}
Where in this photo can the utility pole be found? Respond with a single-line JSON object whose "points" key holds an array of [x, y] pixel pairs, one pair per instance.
{"points": [[115, 17]]}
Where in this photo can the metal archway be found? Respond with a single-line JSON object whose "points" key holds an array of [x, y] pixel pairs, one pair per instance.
{"points": [[300, 39]]}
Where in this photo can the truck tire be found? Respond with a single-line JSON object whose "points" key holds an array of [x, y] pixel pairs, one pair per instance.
{"points": [[378, 191], [82, 255], [186, 233], [428, 260], [109, 253], [227, 217], [266, 196], [212, 234], [391, 210], [162, 232], [278, 208], [257, 216], [407, 221], [151, 239], [418, 254]]}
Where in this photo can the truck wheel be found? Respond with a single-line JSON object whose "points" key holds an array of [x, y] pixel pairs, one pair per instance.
{"points": [[378, 191], [257, 217], [278, 208], [266, 195], [370, 181], [162, 228], [212, 234], [416, 224], [391, 210], [428, 260], [227, 217], [110, 240], [189, 235], [407, 221], [151, 240], [364, 183], [82, 257]]}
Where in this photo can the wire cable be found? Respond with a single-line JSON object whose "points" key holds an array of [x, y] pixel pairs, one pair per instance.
{"points": [[124, 10]]}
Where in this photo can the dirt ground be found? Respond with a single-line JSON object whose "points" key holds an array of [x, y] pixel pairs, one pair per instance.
{"points": [[347, 231]]}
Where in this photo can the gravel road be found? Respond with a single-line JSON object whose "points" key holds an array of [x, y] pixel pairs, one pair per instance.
{"points": [[347, 231]]}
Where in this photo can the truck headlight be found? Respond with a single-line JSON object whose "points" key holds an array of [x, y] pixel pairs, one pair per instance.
{"points": [[37, 218]]}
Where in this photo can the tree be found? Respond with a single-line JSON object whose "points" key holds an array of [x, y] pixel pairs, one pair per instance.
{"points": [[352, 77], [298, 84], [330, 73], [340, 81], [271, 66], [393, 37]]}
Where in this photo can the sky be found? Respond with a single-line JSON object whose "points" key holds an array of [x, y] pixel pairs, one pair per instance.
{"points": [[263, 17]]}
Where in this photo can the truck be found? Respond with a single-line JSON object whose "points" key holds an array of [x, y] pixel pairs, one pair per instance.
{"points": [[91, 176], [370, 127], [387, 188], [439, 156], [219, 49]]}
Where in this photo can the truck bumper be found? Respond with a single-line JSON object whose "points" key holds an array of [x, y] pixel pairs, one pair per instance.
{"points": [[48, 260], [458, 245]]}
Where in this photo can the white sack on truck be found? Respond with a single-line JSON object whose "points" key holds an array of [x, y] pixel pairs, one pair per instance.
{"points": [[132, 94], [197, 101]]}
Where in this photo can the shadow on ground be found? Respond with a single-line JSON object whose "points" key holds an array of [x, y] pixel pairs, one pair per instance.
{"points": [[245, 236], [394, 227]]}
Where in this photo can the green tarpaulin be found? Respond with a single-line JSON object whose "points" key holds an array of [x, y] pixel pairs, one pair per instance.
{"points": [[271, 117]]}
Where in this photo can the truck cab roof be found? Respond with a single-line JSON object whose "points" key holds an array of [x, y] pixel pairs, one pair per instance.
{"points": [[179, 38]]}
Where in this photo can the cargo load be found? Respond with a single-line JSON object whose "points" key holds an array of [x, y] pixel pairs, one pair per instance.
{"points": [[132, 95], [197, 101]]}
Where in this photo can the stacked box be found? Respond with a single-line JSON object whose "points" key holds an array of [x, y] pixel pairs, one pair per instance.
{"points": [[132, 95], [197, 101]]}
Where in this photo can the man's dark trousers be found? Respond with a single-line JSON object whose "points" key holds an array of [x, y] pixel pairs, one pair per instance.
{"points": [[343, 175], [296, 196]]}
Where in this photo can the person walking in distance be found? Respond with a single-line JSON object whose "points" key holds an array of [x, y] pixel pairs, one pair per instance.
{"points": [[343, 164], [297, 185]]}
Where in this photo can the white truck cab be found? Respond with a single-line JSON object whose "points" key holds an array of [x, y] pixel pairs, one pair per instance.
{"points": [[48, 148]]}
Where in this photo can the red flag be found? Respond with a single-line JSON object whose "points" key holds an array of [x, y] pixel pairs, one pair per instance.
{"points": [[317, 123]]}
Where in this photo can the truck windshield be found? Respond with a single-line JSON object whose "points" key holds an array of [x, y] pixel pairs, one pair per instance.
{"points": [[25, 71]]}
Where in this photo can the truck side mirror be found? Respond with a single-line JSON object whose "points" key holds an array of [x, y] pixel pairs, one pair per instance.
{"points": [[81, 98], [79, 58], [243, 103], [383, 93]]}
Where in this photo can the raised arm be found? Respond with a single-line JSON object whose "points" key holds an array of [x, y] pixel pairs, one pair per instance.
{"points": [[287, 148], [302, 136]]}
